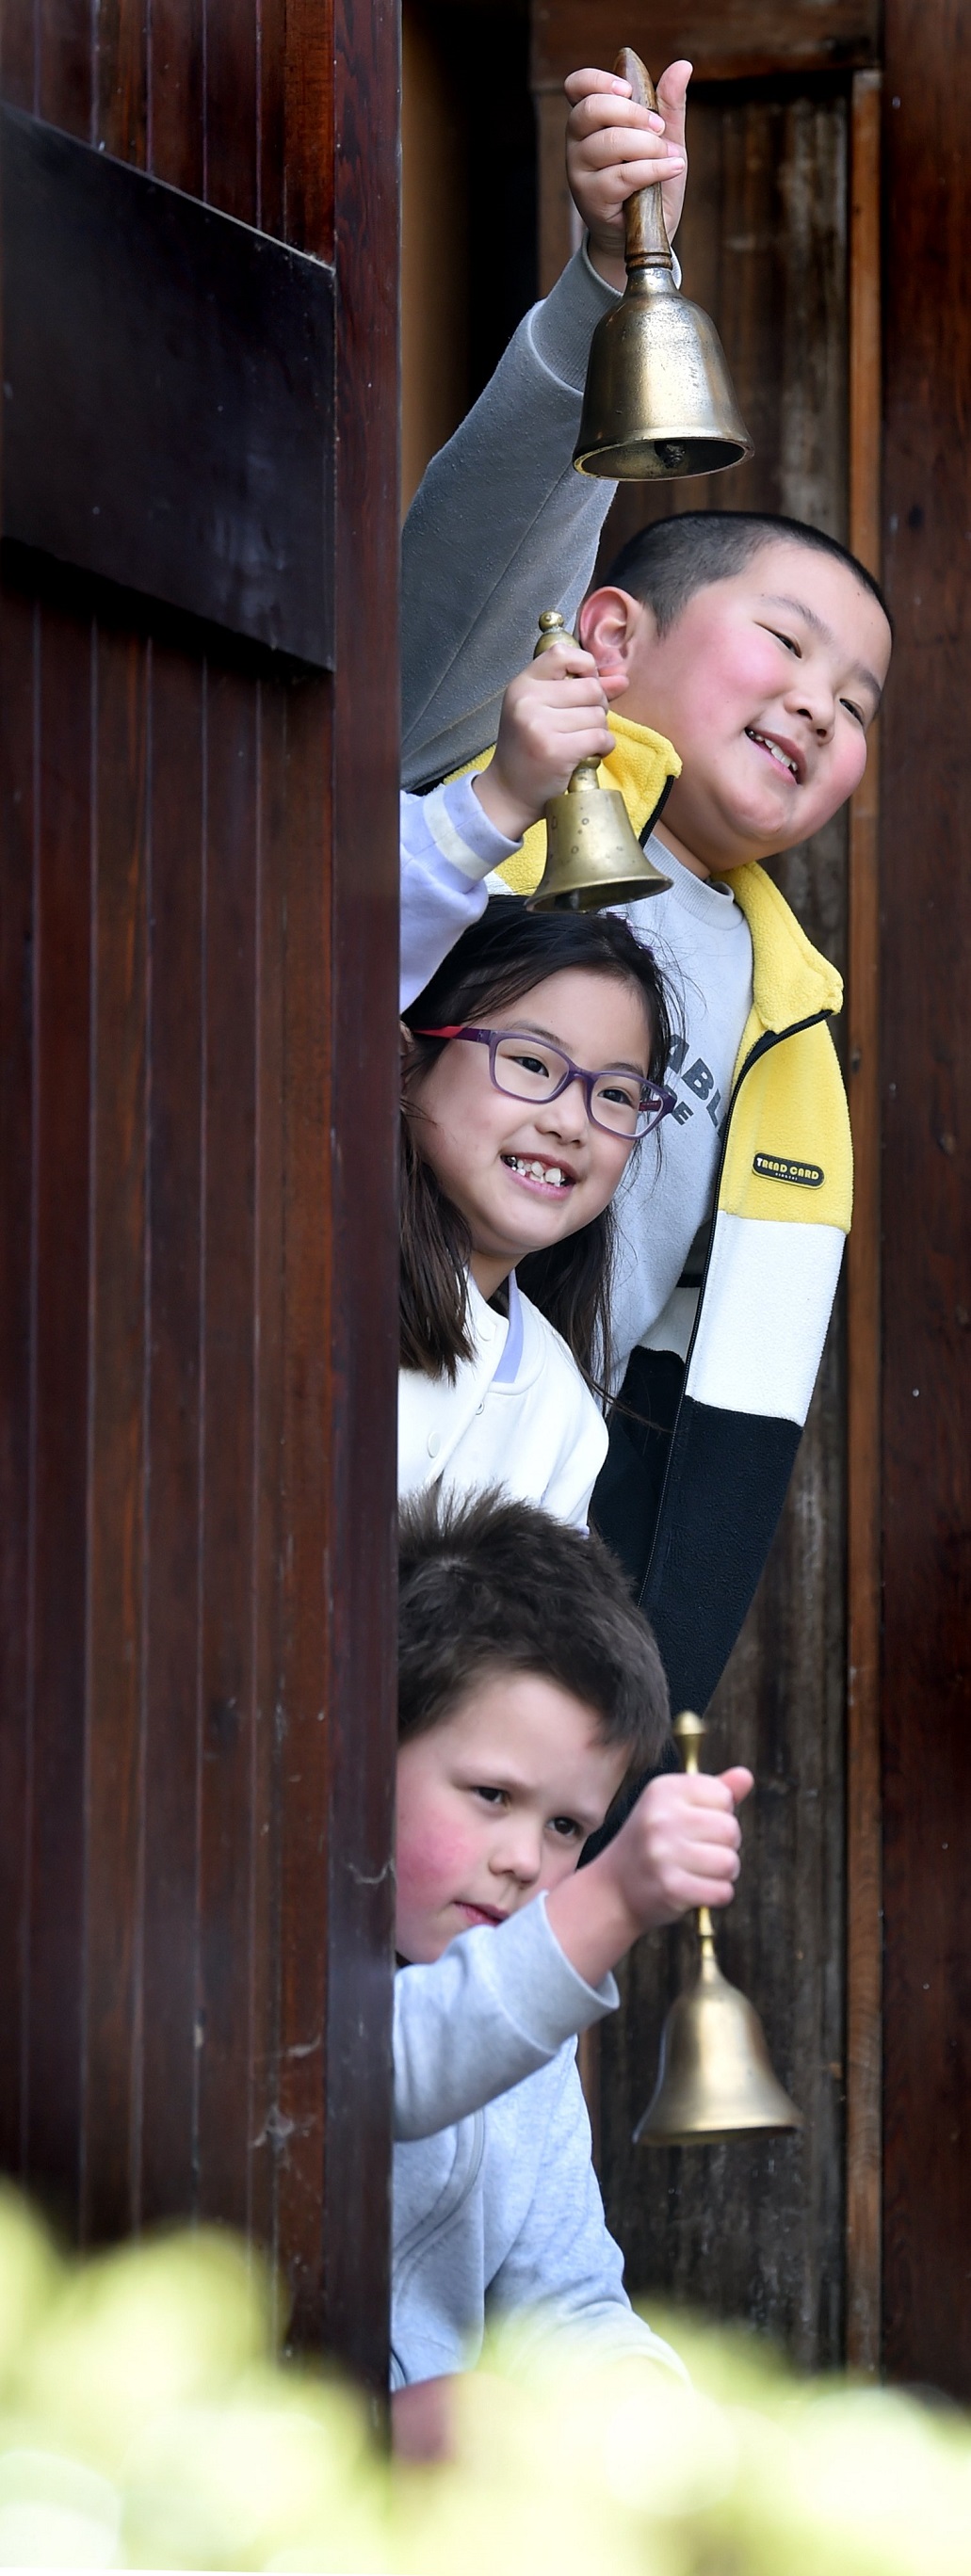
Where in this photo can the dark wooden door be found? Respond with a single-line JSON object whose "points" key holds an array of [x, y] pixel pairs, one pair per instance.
{"points": [[198, 774]]}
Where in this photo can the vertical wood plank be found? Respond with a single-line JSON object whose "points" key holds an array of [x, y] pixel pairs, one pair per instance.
{"points": [[232, 108], [926, 1071], [173, 1588], [309, 110], [361, 1568], [18, 739], [864, 1936], [118, 1280], [175, 146], [61, 1192], [225, 1709], [556, 211]]}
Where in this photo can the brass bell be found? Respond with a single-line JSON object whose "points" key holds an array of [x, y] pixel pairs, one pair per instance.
{"points": [[659, 400], [593, 855], [715, 2077]]}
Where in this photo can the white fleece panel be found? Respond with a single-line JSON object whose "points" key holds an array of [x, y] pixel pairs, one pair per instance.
{"points": [[765, 1309]]}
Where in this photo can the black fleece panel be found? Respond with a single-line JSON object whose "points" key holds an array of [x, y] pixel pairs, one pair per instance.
{"points": [[627, 1495], [726, 1484]]}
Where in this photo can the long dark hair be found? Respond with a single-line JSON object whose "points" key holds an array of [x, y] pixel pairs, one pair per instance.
{"points": [[502, 956]]}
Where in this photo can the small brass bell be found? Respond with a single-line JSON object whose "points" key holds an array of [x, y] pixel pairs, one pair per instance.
{"points": [[593, 855], [715, 2077], [659, 399]]}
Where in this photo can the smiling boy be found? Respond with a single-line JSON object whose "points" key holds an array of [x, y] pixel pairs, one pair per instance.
{"points": [[759, 647], [530, 1691]]}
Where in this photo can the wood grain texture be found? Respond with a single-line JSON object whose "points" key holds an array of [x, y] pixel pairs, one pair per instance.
{"points": [[864, 1928], [755, 2228], [926, 1073], [725, 39], [364, 1098], [198, 943], [19, 624]]}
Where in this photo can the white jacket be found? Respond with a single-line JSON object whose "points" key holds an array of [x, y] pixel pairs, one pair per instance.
{"points": [[518, 1416]]}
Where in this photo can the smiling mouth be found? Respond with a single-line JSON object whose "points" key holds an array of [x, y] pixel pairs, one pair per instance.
{"points": [[480, 1913], [546, 1176], [783, 759]]}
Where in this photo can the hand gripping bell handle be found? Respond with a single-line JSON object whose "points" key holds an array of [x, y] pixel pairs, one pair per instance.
{"points": [[646, 243]]}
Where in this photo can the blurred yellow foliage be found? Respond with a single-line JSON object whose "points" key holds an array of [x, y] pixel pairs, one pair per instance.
{"points": [[144, 2422]]}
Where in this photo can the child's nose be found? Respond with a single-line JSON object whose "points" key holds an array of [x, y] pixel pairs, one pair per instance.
{"points": [[812, 696], [567, 1114], [517, 1852]]}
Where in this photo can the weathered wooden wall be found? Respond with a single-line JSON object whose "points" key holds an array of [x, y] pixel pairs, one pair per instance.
{"points": [[926, 977], [197, 1238]]}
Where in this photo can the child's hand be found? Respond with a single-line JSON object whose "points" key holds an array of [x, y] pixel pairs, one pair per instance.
{"points": [[683, 1844], [422, 2419], [553, 714], [679, 1847], [614, 147]]}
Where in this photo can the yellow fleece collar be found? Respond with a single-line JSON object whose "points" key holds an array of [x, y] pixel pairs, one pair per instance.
{"points": [[790, 980]]}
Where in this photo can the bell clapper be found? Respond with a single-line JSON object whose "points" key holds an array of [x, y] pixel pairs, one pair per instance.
{"points": [[659, 400], [715, 2076], [593, 855]]}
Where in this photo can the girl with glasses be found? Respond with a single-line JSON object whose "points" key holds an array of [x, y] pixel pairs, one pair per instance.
{"points": [[532, 1076]]}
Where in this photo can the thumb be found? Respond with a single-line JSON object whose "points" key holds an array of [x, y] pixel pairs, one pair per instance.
{"points": [[672, 91], [740, 1782]]}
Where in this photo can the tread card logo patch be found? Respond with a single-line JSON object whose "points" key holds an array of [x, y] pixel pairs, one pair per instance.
{"points": [[778, 1167]]}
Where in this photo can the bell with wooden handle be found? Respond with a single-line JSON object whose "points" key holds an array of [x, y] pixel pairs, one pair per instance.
{"points": [[715, 2078], [659, 399], [593, 855]]}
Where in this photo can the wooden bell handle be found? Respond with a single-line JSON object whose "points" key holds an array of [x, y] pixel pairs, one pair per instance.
{"points": [[646, 243]]}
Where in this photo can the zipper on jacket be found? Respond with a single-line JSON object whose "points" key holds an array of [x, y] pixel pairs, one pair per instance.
{"points": [[763, 1046]]}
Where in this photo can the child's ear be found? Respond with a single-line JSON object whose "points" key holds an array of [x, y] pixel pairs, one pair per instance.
{"points": [[609, 623]]}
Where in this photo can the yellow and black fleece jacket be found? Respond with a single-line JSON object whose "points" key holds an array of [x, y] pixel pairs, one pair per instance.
{"points": [[705, 1433]]}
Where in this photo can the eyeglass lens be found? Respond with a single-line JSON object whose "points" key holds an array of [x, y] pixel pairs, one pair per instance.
{"points": [[531, 1070]]}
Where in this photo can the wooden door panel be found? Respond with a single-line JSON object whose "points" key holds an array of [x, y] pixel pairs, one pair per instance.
{"points": [[198, 892]]}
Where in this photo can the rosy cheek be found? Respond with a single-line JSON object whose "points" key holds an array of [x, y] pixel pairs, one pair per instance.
{"points": [[430, 1861]]}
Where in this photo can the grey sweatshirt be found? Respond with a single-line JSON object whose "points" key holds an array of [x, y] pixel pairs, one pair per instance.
{"points": [[498, 515], [496, 2204]]}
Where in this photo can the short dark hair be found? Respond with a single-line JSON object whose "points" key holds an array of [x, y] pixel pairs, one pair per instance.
{"points": [[499, 958], [490, 1586], [665, 564]]}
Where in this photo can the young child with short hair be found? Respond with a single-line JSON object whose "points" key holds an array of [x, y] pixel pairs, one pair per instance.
{"points": [[530, 1693], [759, 647]]}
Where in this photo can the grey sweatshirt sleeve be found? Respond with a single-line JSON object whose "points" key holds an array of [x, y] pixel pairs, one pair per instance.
{"points": [[448, 849], [500, 527], [497, 2006], [564, 2275]]}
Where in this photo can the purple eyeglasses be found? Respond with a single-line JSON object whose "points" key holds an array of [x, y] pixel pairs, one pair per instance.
{"points": [[530, 1068]]}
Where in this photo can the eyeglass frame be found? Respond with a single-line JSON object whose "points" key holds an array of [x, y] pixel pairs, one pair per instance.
{"points": [[492, 1038]]}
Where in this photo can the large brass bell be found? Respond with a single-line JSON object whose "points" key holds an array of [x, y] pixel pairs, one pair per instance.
{"points": [[659, 399], [715, 2078], [593, 855]]}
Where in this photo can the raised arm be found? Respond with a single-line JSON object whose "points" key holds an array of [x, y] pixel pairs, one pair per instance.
{"points": [[495, 2008], [501, 525]]}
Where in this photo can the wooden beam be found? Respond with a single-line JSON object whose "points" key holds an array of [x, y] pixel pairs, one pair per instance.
{"points": [[863, 1823], [725, 39]]}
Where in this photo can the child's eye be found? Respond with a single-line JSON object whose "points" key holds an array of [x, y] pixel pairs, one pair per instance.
{"points": [[535, 1065], [567, 1829], [492, 1797], [854, 711], [789, 641]]}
